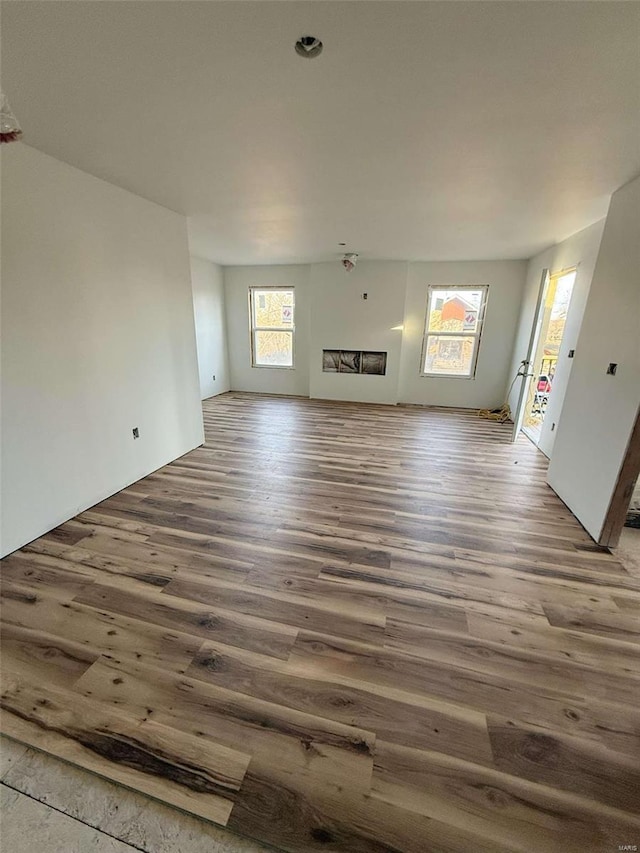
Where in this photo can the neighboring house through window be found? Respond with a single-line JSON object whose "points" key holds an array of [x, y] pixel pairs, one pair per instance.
{"points": [[452, 330], [272, 311]]}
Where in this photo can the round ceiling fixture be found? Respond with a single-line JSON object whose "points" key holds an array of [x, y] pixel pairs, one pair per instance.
{"points": [[9, 128], [309, 47], [349, 261]]}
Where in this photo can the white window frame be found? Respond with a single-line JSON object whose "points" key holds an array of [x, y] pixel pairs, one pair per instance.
{"points": [[253, 329], [476, 335]]}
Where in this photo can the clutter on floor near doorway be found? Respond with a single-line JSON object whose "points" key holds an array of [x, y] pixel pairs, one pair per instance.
{"points": [[503, 414]]}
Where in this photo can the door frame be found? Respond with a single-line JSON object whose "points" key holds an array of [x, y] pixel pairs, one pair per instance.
{"points": [[525, 366], [621, 498]]}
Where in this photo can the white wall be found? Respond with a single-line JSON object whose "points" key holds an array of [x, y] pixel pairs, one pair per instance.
{"points": [[342, 319], [207, 283], [487, 389], [333, 314], [581, 251], [97, 338], [269, 380], [599, 410]]}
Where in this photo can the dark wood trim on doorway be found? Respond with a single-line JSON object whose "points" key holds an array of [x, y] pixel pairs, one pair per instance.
{"points": [[619, 504]]}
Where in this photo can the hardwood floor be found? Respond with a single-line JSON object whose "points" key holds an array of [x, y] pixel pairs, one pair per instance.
{"points": [[339, 627]]}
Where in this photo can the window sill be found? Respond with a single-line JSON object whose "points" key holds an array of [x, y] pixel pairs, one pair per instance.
{"points": [[273, 367], [444, 376]]}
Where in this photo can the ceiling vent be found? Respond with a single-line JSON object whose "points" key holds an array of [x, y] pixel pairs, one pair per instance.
{"points": [[309, 47]]}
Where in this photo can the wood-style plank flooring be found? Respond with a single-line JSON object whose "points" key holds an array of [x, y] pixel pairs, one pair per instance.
{"points": [[340, 627]]}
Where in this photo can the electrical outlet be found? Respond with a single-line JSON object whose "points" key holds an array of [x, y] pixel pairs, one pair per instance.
{"points": [[572, 352], [611, 370], [214, 377], [136, 432]]}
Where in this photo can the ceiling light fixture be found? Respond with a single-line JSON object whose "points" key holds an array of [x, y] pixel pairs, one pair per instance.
{"points": [[10, 130], [349, 261], [308, 47]]}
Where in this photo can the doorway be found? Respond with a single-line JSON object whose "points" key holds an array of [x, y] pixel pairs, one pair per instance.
{"points": [[550, 325]]}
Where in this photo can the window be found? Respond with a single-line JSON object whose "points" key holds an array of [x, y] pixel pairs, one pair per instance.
{"points": [[272, 326], [452, 331]]}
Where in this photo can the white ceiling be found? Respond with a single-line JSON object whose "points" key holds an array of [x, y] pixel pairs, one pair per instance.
{"points": [[426, 130]]}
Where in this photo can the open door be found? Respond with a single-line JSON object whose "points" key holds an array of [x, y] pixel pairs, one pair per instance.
{"points": [[526, 369], [545, 360]]}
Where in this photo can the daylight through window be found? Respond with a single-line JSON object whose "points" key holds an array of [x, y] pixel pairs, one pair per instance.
{"points": [[452, 331], [272, 326]]}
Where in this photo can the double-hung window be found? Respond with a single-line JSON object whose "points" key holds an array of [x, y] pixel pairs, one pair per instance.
{"points": [[272, 311], [452, 330]]}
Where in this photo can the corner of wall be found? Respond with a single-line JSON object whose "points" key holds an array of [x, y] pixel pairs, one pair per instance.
{"points": [[207, 283], [97, 332], [599, 409]]}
